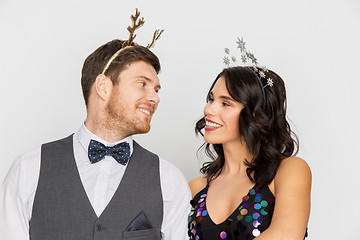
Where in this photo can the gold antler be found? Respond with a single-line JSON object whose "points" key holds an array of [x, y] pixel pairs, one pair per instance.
{"points": [[135, 25], [156, 36]]}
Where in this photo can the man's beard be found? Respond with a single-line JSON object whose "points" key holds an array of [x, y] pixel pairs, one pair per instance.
{"points": [[124, 118]]}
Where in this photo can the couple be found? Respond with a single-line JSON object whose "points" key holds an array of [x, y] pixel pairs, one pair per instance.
{"points": [[100, 184]]}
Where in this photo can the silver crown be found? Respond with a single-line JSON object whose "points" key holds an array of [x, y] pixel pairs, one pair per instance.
{"points": [[248, 58]]}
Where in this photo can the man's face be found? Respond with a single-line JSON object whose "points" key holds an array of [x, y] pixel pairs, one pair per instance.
{"points": [[134, 99]]}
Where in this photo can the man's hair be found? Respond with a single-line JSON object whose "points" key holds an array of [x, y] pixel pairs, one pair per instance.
{"points": [[95, 63]]}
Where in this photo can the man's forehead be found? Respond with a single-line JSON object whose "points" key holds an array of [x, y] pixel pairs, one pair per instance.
{"points": [[140, 69]]}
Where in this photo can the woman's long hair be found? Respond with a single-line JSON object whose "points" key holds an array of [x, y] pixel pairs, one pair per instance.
{"points": [[263, 126]]}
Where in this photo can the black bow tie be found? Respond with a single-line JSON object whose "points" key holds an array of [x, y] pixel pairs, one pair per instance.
{"points": [[120, 152]]}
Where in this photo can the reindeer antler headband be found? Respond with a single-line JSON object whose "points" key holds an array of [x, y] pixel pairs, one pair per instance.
{"points": [[136, 23]]}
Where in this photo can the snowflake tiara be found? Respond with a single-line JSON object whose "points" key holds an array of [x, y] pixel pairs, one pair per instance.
{"points": [[136, 23], [248, 58]]}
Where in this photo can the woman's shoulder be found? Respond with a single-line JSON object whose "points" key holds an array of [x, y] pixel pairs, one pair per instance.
{"points": [[294, 164], [197, 184], [293, 171]]}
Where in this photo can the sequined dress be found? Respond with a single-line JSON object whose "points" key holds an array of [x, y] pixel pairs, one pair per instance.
{"points": [[249, 219]]}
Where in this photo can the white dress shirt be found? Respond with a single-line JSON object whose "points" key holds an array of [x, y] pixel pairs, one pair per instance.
{"points": [[100, 181]]}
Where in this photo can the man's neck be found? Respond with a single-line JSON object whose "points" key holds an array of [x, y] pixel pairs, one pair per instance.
{"points": [[104, 132]]}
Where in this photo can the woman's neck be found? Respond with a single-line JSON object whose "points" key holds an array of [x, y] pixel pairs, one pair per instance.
{"points": [[236, 154]]}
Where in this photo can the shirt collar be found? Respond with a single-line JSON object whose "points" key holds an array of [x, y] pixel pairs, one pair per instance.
{"points": [[84, 135]]}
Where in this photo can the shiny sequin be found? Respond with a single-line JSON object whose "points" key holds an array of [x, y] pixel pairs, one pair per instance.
{"points": [[264, 203], [246, 205], [256, 232], [243, 212], [191, 226], [256, 215], [256, 223], [263, 212], [251, 219], [258, 197]]}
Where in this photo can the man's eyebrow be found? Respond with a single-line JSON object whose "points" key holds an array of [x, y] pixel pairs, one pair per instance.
{"points": [[149, 80]]}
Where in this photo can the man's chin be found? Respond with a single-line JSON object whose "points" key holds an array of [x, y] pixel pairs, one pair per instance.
{"points": [[143, 130]]}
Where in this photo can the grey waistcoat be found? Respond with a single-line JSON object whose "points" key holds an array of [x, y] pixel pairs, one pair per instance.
{"points": [[62, 210]]}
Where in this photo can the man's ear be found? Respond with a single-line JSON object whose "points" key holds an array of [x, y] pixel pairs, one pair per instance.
{"points": [[103, 86]]}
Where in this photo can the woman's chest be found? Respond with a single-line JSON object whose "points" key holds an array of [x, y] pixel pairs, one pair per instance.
{"points": [[251, 217]]}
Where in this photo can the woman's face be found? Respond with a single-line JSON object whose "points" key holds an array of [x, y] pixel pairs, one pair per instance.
{"points": [[222, 114]]}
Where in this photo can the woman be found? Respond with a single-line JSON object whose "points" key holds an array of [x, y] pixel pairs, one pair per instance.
{"points": [[254, 187]]}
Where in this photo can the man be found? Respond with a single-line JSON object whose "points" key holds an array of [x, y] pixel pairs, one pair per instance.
{"points": [[99, 183]]}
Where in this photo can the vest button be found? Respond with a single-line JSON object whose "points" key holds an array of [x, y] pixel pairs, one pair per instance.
{"points": [[99, 227]]}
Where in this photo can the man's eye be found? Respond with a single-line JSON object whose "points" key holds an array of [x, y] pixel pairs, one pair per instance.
{"points": [[141, 84]]}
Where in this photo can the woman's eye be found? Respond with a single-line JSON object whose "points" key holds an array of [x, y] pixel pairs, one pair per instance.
{"points": [[141, 84], [225, 104]]}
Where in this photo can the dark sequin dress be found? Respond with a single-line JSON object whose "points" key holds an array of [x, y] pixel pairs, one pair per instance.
{"points": [[248, 221]]}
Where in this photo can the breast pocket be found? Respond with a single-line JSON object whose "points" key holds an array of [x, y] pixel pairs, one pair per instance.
{"points": [[147, 234]]}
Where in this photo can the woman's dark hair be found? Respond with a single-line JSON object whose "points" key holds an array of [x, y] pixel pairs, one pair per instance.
{"points": [[263, 127]]}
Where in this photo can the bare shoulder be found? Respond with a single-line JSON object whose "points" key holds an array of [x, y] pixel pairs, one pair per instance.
{"points": [[197, 184], [293, 171], [293, 165]]}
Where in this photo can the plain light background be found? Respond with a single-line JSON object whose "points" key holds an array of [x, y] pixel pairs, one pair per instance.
{"points": [[312, 44]]}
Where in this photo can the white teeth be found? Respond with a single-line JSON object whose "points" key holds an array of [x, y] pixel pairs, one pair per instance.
{"points": [[145, 111], [211, 124]]}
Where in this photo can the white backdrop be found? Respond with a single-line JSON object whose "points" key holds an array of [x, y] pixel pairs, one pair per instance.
{"points": [[312, 44]]}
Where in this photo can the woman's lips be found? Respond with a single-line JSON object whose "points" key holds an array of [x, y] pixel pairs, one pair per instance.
{"points": [[211, 125]]}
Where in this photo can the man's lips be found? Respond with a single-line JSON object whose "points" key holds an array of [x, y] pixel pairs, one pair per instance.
{"points": [[146, 110]]}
